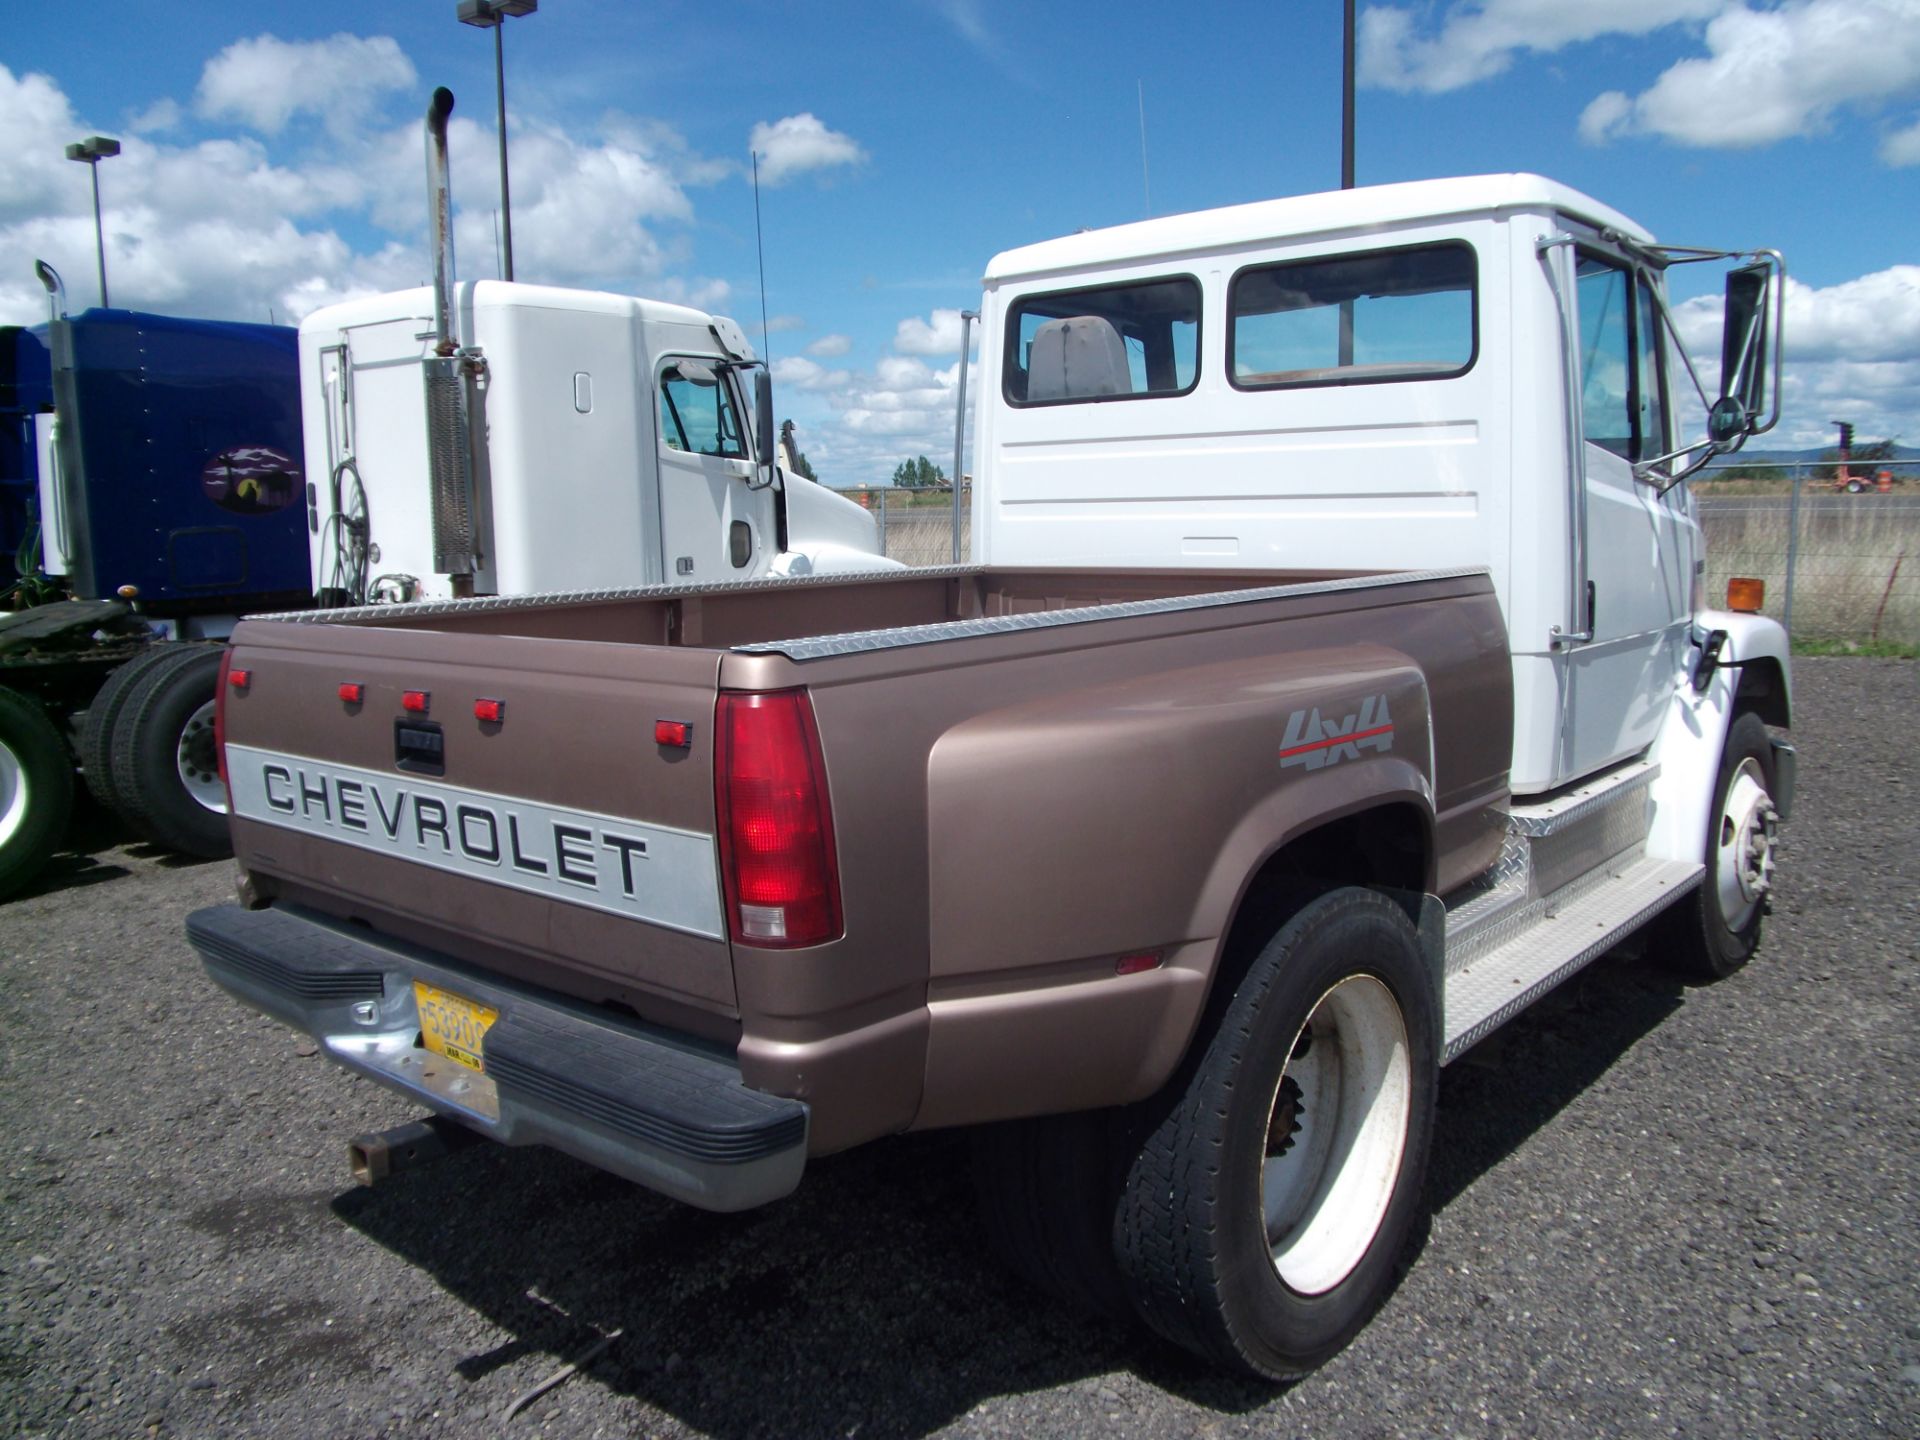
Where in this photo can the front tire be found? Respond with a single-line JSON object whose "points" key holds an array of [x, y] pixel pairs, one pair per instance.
{"points": [[36, 790], [1715, 930], [1261, 1219]]}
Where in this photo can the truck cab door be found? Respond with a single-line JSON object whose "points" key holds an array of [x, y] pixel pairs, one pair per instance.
{"points": [[712, 525], [1639, 544]]}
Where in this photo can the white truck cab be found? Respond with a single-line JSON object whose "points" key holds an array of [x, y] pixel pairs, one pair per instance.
{"points": [[1462, 372], [496, 438]]}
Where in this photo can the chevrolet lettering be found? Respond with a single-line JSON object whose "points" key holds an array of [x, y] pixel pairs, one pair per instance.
{"points": [[646, 872]]}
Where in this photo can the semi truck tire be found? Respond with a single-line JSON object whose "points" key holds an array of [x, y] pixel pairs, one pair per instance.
{"points": [[96, 729], [1046, 1190], [1715, 930], [1262, 1217], [162, 759], [36, 789]]}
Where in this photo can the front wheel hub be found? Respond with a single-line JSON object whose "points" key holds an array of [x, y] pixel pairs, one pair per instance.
{"points": [[1748, 833]]}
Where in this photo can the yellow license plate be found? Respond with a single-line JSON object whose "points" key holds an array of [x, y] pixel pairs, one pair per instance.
{"points": [[453, 1026]]}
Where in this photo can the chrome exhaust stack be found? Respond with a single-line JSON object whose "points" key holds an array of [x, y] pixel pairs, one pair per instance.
{"points": [[448, 375], [440, 217]]}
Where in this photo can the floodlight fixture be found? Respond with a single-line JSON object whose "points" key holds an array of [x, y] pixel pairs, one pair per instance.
{"points": [[90, 152], [492, 15]]}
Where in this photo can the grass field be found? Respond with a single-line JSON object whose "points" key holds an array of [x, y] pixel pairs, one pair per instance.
{"points": [[1856, 577]]}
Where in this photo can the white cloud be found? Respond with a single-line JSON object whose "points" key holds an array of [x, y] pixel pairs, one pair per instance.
{"points": [[1772, 74], [1852, 350], [163, 114], [799, 143], [805, 374], [243, 226], [781, 324], [829, 347], [939, 334], [266, 81], [1479, 39], [1902, 147]]}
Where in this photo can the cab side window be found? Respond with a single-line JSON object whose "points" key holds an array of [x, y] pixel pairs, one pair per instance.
{"points": [[1622, 370], [1606, 356], [697, 415]]}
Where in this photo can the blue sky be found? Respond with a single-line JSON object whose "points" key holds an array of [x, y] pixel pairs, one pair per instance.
{"points": [[272, 157]]}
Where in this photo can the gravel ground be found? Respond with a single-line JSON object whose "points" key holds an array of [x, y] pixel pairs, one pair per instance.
{"points": [[1655, 1210]]}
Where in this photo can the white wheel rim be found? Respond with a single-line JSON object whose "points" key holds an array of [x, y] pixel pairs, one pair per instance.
{"points": [[1324, 1195], [13, 793], [1743, 868], [197, 762]]}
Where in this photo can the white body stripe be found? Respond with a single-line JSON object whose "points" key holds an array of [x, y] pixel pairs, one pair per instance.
{"points": [[625, 867]]}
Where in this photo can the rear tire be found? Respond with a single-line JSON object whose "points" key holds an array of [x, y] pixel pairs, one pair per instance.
{"points": [[36, 790], [96, 730], [164, 768], [1047, 1189], [1261, 1219], [1716, 929]]}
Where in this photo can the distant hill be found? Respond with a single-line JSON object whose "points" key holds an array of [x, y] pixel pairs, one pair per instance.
{"points": [[1817, 455]]}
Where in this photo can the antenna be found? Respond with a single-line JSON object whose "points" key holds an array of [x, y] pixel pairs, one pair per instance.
{"points": [[759, 245], [1146, 187]]}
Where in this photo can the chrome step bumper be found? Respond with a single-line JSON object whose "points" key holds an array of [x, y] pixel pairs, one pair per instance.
{"points": [[655, 1108]]}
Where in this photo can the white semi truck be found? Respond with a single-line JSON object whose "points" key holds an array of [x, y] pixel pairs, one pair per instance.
{"points": [[494, 438]]}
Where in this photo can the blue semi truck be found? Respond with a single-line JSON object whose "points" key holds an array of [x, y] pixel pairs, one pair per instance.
{"points": [[151, 492]]}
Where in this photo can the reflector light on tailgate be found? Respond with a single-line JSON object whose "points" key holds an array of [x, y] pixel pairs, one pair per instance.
{"points": [[776, 827]]}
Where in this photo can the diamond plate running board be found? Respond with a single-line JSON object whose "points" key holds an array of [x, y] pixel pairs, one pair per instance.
{"points": [[1581, 924]]}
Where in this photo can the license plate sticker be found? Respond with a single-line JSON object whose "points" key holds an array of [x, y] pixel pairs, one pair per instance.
{"points": [[452, 1025]]}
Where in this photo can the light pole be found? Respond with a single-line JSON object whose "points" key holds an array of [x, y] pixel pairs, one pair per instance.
{"points": [[492, 15], [90, 152], [1346, 99]]}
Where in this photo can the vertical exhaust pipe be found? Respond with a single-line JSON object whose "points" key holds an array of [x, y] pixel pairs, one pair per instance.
{"points": [[449, 429], [440, 217]]}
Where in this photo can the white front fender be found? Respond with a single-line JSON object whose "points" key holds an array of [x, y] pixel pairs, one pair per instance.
{"points": [[1695, 730]]}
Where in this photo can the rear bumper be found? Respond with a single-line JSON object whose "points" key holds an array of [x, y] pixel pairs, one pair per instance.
{"points": [[656, 1108]]}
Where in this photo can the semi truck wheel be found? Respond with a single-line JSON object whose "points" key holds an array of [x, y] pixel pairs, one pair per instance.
{"points": [[1046, 1190], [36, 790], [1714, 931], [1262, 1217], [96, 730], [165, 771]]}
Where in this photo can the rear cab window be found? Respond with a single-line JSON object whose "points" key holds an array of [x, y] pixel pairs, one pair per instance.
{"points": [[1409, 313], [1130, 341]]}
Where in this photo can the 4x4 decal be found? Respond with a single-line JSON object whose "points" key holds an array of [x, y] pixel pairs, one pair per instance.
{"points": [[1313, 742]]}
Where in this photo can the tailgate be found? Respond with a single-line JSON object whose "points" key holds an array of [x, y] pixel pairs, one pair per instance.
{"points": [[558, 842]]}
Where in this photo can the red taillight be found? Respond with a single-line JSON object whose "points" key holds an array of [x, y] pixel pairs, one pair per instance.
{"points": [[352, 692], [415, 702], [776, 827], [674, 734], [220, 720], [490, 712]]}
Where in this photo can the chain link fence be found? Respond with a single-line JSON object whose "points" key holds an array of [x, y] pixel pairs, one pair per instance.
{"points": [[916, 526], [1840, 556]]}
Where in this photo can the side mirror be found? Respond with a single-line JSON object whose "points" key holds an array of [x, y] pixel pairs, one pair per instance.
{"points": [[1746, 355], [763, 438]]}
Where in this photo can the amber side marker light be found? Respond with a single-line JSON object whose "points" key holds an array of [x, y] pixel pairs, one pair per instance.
{"points": [[1746, 594]]}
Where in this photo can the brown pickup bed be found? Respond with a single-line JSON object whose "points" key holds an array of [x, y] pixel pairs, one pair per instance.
{"points": [[1050, 794]]}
